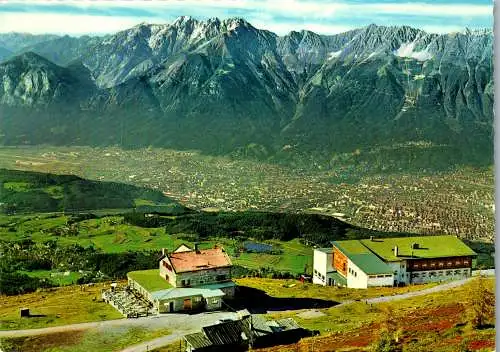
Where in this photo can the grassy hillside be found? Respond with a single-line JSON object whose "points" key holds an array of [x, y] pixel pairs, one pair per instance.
{"points": [[433, 322], [25, 192]]}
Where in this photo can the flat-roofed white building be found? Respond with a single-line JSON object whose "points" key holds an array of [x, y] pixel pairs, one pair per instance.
{"points": [[393, 261]]}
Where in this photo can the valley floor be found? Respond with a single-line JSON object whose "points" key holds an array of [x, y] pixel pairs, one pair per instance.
{"points": [[411, 202]]}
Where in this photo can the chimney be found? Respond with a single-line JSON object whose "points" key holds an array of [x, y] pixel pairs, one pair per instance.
{"points": [[396, 252]]}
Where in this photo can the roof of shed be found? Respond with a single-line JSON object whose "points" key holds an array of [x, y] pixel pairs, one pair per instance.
{"points": [[231, 332], [260, 326], [198, 340], [288, 324], [238, 331]]}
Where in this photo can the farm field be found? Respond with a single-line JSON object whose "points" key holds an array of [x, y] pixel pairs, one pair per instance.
{"points": [[418, 202], [55, 307]]}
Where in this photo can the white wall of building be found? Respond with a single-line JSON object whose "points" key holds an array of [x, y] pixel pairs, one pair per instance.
{"points": [[380, 280], [356, 278], [322, 265]]}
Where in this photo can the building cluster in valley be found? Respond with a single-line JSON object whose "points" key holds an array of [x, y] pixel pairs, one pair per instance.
{"points": [[393, 261]]}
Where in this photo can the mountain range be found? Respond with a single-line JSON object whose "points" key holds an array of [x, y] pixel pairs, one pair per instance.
{"points": [[226, 87]]}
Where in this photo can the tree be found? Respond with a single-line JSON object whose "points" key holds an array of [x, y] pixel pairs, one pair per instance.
{"points": [[482, 302]]}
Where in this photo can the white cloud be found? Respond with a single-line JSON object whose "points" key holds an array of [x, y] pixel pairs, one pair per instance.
{"points": [[327, 17], [66, 24], [442, 29], [285, 28], [429, 9]]}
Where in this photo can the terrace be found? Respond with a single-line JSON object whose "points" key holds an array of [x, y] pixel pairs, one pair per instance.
{"points": [[150, 280]]}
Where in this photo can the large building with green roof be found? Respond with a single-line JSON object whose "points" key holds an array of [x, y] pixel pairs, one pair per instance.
{"points": [[394, 261]]}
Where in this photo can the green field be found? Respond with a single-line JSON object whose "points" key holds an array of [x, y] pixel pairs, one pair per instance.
{"points": [[111, 235], [55, 307], [433, 322], [58, 278]]}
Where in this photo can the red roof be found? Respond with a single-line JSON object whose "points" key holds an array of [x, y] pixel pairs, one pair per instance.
{"points": [[202, 260]]}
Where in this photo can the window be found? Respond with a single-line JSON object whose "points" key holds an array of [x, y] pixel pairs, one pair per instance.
{"points": [[166, 265]]}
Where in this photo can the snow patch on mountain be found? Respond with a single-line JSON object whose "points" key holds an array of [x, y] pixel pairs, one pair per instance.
{"points": [[332, 55], [408, 50]]}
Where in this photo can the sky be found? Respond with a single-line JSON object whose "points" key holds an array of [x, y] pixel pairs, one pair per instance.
{"points": [[96, 17]]}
